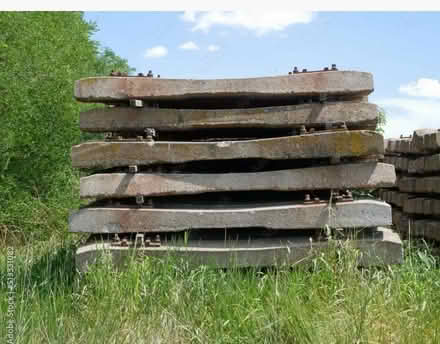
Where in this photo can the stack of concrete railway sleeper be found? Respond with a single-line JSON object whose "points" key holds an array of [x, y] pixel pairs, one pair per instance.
{"points": [[250, 172], [416, 198]]}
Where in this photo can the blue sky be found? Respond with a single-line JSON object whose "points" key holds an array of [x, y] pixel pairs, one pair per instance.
{"points": [[401, 50]]}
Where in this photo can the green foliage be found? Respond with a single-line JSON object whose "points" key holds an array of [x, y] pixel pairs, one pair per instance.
{"points": [[382, 121], [41, 56], [330, 300]]}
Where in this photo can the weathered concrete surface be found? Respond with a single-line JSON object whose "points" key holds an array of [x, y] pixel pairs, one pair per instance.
{"points": [[353, 143], [123, 88], [432, 141], [385, 247], [359, 214], [432, 163], [420, 139], [407, 184], [120, 185], [354, 114]]}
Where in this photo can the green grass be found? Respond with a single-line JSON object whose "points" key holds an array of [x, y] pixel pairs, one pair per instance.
{"points": [[164, 301]]}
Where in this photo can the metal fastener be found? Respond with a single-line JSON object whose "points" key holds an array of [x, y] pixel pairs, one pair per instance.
{"points": [[139, 240], [302, 130], [140, 74], [304, 70], [307, 199], [326, 69], [139, 199], [295, 69], [150, 74], [133, 169], [334, 66], [150, 134]]}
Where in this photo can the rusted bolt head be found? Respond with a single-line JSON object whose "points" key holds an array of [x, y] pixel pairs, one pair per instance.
{"points": [[326, 68], [150, 74], [150, 132], [139, 199], [140, 74], [295, 69], [304, 70], [334, 66]]}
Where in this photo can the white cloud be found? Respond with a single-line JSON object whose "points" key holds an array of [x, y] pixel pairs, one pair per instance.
{"points": [[422, 88], [189, 46], [258, 21], [155, 52], [213, 47], [404, 115]]}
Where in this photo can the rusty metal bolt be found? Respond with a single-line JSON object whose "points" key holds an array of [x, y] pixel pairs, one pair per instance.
{"points": [[150, 134], [150, 74], [133, 169], [307, 198], [139, 240], [326, 69], [334, 66], [140, 74], [304, 70], [302, 130], [139, 199], [295, 69]]}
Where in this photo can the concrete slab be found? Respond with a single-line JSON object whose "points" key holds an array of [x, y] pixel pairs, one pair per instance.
{"points": [[432, 163], [353, 143], [356, 214], [119, 185], [355, 115], [384, 247], [407, 184], [97, 89], [432, 141], [419, 139]]}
